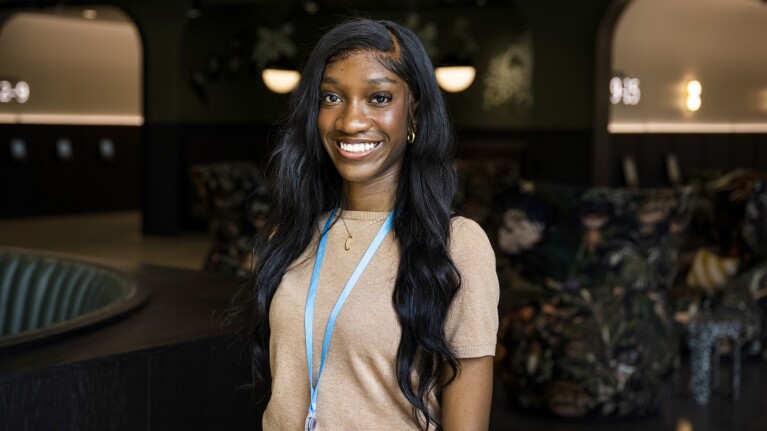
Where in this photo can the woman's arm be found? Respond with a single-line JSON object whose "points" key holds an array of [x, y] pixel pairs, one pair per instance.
{"points": [[466, 401]]}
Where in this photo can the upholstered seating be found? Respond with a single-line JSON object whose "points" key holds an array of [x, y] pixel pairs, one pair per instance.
{"points": [[235, 198], [38, 291], [598, 341]]}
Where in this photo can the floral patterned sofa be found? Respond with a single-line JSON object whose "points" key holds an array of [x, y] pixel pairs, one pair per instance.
{"points": [[235, 198], [591, 279], [586, 272], [728, 254], [597, 337]]}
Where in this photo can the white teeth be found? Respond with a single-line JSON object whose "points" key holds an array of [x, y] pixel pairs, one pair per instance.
{"points": [[357, 148]]}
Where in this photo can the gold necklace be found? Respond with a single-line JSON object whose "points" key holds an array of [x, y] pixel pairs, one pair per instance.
{"points": [[348, 242]]}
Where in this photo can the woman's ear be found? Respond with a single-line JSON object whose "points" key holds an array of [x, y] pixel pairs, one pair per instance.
{"points": [[412, 119], [413, 112]]}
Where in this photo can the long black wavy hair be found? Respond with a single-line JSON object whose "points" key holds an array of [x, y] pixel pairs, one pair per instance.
{"points": [[305, 184]]}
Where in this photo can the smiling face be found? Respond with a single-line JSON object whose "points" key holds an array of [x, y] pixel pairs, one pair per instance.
{"points": [[363, 121]]}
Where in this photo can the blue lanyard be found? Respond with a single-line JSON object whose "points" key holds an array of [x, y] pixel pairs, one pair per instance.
{"points": [[309, 313]]}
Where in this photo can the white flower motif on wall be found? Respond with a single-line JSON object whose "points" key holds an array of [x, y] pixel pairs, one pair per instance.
{"points": [[427, 32], [509, 77], [272, 45]]}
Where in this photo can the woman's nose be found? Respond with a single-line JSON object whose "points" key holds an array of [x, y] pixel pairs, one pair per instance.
{"points": [[353, 119]]}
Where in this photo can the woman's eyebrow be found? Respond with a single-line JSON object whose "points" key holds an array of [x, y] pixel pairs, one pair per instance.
{"points": [[371, 81], [382, 80]]}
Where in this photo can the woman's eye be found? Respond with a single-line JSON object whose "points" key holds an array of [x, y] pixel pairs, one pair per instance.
{"points": [[381, 98], [330, 98]]}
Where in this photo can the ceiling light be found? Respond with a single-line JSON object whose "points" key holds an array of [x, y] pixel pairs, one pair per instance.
{"points": [[454, 79], [279, 80]]}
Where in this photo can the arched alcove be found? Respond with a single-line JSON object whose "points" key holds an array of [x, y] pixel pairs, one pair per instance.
{"points": [[659, 47], [71, 110], [665, 44], [81, 65]]}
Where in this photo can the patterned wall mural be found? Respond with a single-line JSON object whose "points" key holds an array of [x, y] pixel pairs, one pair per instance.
{"points": [[495, 40]]}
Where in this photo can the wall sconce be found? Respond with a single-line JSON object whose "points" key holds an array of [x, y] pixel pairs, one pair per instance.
{"points": [[64, 150], [279, 79], [19, 150], [107, 149], [694, 90]]}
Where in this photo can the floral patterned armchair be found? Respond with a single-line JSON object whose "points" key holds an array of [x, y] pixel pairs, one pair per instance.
{"points": [[730, 225], [598, 342], [236, 199]]}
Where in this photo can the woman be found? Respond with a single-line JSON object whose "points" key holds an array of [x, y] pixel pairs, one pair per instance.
{"points": [[368, 147]]}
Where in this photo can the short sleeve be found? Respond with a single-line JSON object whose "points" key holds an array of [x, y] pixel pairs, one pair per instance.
{"points": [[472, 323]]}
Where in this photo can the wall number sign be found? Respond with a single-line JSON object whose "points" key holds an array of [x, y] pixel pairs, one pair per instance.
{"points": [[10, 92], [625, 90]]}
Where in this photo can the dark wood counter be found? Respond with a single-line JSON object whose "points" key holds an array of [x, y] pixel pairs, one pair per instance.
{"points": [[167, 366], [183, 307]]}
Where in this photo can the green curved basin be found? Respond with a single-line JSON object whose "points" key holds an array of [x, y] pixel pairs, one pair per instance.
{"points": [[44, 296]]}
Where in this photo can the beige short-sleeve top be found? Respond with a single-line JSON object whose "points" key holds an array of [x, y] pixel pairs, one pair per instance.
{"points": [[358, 389]]}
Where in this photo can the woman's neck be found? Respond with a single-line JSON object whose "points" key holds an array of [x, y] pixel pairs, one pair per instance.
{"points": [[368, 197]]}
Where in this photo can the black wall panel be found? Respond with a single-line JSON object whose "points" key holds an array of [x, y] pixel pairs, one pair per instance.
{"points": [[45, 184], [696, 153]]}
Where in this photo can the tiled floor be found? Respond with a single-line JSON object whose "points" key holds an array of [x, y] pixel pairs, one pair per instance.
{"points": [[117, 236]]}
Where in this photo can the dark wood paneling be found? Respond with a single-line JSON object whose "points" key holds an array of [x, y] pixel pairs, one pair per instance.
{"points": [[696, 153], [560, 156], [105, 395], [651, 162], [761, 152], [44, 184], [628, 147], [554, 156], [716, 151], [743, 150], [161, 187], [190, 386], [202, 387], [690, 154]]}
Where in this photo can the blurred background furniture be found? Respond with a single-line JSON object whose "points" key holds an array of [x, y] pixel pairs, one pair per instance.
{"points": [[593, 280], [704, 332], [234, 197], [597, 339]]}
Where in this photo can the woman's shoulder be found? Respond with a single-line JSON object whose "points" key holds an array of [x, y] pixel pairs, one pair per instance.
{"points": [[467, 235]]}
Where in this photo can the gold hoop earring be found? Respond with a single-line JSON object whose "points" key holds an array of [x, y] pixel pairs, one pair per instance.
{"points": [[410, 136]]}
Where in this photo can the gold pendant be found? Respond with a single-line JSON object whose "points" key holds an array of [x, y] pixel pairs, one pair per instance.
{"points": [[348, 242]]}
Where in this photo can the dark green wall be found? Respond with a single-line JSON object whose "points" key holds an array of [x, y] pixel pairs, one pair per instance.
{"points": [[563, 43], [563, 46], [564, 33]]}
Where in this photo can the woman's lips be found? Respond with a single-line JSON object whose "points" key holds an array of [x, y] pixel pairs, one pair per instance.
{"points": [[356, 149]]}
